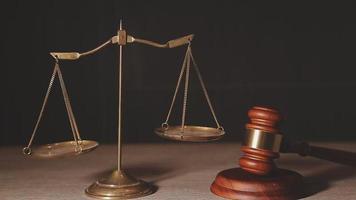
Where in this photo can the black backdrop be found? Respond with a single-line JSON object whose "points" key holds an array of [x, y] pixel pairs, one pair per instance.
{"points": [[298, 57]]}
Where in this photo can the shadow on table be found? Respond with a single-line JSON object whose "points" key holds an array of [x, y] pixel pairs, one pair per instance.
{"points": [[150, 172], [321, 180]]}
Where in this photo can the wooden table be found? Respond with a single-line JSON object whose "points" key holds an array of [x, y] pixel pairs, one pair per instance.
{"points": [[179, 170]]}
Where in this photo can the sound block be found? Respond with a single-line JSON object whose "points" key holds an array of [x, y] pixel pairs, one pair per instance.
{"points": [[236, 183]]}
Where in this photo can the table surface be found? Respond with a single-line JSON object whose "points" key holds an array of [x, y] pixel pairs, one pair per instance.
{"points": [[179, 170]]}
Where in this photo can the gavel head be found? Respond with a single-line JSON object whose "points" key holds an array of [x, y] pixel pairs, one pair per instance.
{"points": [[262, 141]]}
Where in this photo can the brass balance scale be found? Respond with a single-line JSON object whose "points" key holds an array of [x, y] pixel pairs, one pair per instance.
{"points": [[120, 185]]}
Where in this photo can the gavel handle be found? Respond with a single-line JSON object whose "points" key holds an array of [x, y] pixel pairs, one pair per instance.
{"points": [[333, 155]]}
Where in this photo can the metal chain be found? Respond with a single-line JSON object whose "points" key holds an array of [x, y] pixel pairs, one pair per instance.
{"points": [[75, 131], [186, 87], [204, 89], [27, 149], [186, 68], [165, 124], [67, 103]]}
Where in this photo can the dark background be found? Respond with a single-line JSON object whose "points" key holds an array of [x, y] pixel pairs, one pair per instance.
{"points": [[296, 56]]}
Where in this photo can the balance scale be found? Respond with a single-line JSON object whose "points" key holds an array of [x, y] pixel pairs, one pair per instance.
{"points": [[120, 185]]}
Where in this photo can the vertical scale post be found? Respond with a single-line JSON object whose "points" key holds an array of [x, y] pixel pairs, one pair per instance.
{"points": [[121, 42], [119, 185], [119, 147]]}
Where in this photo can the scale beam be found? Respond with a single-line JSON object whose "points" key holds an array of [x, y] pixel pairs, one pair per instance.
{"points": [[118, 39], [170, 44]]}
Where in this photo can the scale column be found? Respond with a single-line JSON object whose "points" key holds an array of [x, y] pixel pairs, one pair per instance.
{"points": [[121, 42], [119, 185]]}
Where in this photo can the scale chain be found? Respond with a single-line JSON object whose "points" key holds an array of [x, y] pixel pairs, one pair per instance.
{"points": [[56, 71], [67, 103], [185, 68], [204, 88], [176, 89], [186, 87], [27, 150]]}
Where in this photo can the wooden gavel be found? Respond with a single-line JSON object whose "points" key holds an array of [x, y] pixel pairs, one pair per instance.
{"points": [[258, 177], [264, 142]]}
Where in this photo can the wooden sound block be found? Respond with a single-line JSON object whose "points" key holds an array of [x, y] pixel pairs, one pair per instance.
{"points": [[236, 183]]}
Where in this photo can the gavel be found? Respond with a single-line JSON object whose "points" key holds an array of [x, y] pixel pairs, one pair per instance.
{"points": [[263, 142], [258, 177]]}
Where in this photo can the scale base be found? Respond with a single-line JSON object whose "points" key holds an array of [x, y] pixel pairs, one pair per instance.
{"points": [[119, 185], [238, 184]]}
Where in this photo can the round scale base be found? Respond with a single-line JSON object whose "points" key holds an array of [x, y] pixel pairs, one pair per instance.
{"points": [[190, 133], [62, 149], [238, 184], [119, 186]]}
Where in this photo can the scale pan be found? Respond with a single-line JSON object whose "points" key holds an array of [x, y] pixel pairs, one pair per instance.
{"points": [[63, 149], [190, 133]]}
